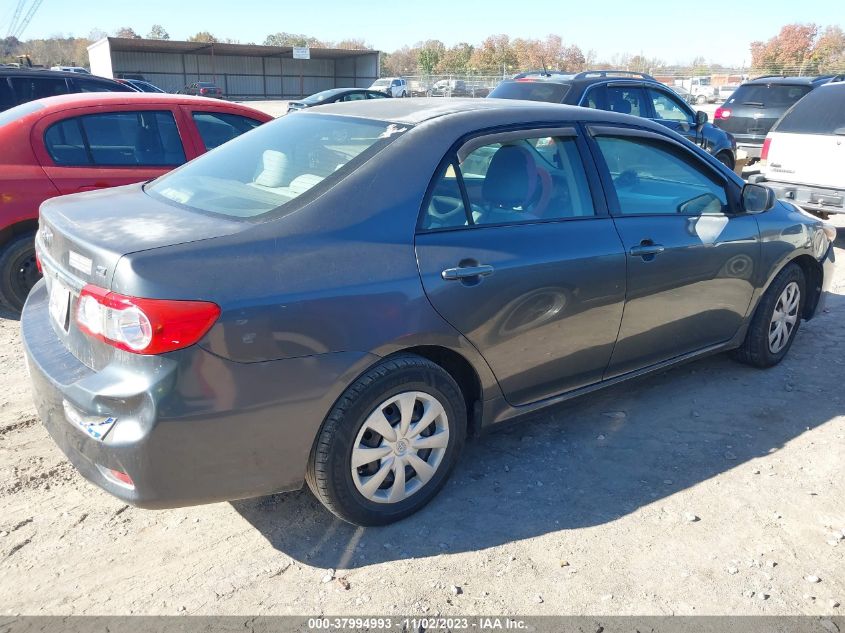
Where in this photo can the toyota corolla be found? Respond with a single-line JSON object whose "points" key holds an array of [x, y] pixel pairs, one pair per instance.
{"points": [[342, 296]]}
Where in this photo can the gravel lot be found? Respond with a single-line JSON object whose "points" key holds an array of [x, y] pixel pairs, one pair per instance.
{"points": [[709, 489]]}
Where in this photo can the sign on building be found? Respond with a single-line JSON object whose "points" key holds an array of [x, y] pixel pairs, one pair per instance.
{"points": [[301, 52]]}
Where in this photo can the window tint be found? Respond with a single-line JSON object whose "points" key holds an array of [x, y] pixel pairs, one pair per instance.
{"points": [[668, 108], [84, 85], [376, 95], [531, 90], [13, 114], [31, 88], [116, 139], [7, 99], [216, 128], [354, 96], [538, 178], [768, 95], [820, 112], [626, 100], [650, 177]]}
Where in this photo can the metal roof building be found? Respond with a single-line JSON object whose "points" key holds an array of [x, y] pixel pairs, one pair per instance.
{"points": [[243, 71]]}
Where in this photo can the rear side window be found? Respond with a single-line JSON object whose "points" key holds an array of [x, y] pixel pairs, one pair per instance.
{"points": [[820, 112], [85, 85], [116, 139], [626, 100], [531, 90], [216, 128], [527, 180], [652, 178], [31, 88], [768, 95]]}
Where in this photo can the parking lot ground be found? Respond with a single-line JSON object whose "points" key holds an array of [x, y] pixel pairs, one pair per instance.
{"points": [[712, 488]]}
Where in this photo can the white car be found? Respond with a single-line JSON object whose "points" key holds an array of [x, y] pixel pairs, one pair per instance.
{"points": [[72, 69], [804, 152], [393, 86]]}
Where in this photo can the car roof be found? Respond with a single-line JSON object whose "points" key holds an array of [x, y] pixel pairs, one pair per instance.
{"points": [[798, 81], [46, 72], [418, 110], [69, 101]]}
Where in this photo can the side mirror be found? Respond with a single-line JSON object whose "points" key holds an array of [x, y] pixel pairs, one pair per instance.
{"points": [[757, 198], [700, 118]]}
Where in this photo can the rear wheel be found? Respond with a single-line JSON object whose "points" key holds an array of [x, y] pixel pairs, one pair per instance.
{"points": [[18, 270], [776, 321], [701, 99], [726, 159], [390, 442]]}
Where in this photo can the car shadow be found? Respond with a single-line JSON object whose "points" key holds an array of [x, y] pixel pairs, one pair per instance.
{"points": [[588, 461], [8, 313]]}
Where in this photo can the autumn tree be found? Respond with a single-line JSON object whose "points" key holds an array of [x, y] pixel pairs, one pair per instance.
{"points": [[456, 60], [495, 54], [402, 61], [157, 32], [788, 51], [127, 32], [203, 36], [292, 39], [829, 51], [353, 44]]}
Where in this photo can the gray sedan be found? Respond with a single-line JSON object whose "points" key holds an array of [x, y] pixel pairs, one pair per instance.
{"points": [[342, 296]]}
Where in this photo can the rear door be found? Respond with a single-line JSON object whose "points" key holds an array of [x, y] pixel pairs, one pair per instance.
{"points": [[808, 144], [210, 127], [94, 148], [690, 255], [518, 255]]}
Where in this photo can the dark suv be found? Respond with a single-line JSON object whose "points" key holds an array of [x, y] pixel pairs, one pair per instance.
{"points": [[756, 105], [625, 92], [19, 86]]}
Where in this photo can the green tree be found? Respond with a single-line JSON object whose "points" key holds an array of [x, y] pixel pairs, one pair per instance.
{"points": [[157, 32], [127, 32], [292, 39]]}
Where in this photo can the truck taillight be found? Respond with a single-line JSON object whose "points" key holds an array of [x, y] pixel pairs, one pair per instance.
{"points": [[722, 113], [764, 153], [143, 326]]}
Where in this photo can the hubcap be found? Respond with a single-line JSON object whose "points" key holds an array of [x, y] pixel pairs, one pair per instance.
{"points": [[25, 275], [784, 318], [400, 447]]}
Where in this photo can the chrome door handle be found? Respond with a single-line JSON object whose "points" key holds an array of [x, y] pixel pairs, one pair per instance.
{"points": [[466, 272], [644, 250]]}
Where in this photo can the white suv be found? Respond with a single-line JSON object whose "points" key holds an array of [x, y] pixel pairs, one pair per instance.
{"points": [[804, 153], [393, 86]]}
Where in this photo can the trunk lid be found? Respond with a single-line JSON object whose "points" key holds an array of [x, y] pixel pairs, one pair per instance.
{"points": [[82, 237]]}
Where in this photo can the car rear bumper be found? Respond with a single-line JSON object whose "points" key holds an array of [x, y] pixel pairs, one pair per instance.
{"points": [[753, 150], [197, 429], [809, 198]]}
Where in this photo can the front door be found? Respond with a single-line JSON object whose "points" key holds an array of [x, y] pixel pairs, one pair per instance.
{"points": [[670, 111], [690, 252], [518, 255]]}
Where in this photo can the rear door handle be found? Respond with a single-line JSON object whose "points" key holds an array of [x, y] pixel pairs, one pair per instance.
{"points": [[644, 250], [466, 272]]}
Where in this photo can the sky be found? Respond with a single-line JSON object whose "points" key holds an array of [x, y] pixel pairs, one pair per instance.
{"points": [[674, 33]]}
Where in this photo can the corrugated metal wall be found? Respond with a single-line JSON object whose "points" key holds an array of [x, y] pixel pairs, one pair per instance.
{"points": [[243, 77]]}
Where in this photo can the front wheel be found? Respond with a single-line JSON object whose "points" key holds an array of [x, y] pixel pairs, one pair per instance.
{"points": [[776, 320], [701, 99], [390, 442], [18, 270], [726, 159]]}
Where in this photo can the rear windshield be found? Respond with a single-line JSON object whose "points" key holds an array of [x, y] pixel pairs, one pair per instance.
{"points": [[820, 112], [531, 90], [267, 168], [13, 114], [768, 95]]}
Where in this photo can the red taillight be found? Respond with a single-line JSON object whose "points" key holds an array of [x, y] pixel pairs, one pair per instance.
{"points": [[121, 477], [203, 90], [38, 263], [143, 326], [722, 113], [764, 153]]}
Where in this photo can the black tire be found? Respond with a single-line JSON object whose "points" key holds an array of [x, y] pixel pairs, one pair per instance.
{"points": [[329, 472], [18, 270], [755, 349], [726, 159]]}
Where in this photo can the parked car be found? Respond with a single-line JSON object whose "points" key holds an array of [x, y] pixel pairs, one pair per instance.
{"points": [[336, 94], [756, 105], [624, 92], [63, 145], [701, 88], [392, 86], [21, 86], [141, 86], [202, 89], [292, 308], [684, 94], [72, 69], [459, 88], [804, 152]]}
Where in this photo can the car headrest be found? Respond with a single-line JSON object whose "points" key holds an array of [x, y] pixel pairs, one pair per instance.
{"points": [[511, 178], [274, 169], [622, 106]]}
